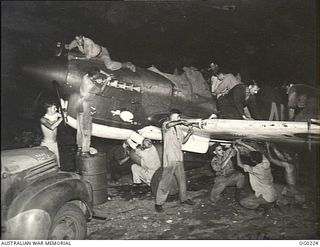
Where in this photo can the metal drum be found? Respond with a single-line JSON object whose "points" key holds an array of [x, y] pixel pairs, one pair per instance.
{"points": [[94, 171], [174, 189]]}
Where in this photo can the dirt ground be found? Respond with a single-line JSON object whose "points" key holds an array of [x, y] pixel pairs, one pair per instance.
{"points": [[130, 214]]}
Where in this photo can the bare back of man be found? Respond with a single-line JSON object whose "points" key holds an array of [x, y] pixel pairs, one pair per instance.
{"points": [[49, 123]]}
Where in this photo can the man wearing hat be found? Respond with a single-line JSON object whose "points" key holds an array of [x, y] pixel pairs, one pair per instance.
{"points": [[150, 162], [134, 140]]}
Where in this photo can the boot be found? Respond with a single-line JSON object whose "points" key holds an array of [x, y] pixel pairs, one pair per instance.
{"points": [[158, 208], [85, 155]]}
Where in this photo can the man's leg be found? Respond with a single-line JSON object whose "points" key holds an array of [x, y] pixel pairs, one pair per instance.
{"points": [[105, 57], [282, 111], [136, 170], [181, 179], [274, 112], [87, 128], [289, 194], [252, 202], [140, 174], [114, 170], [164, 185], [79, 130], [239, 180], [219, 185], [221, 182]]}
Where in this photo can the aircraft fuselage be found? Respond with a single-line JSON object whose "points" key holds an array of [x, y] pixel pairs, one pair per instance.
{"points": [[148, 95]]}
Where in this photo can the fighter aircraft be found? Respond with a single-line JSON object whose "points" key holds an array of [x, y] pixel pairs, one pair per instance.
{"points": [[140, 101]]}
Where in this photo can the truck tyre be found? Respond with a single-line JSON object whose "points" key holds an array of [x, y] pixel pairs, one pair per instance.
{"points": [[69, 224]]}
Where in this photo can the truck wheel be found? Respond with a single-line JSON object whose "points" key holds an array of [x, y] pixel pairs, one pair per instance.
{"points": [[69, 224]]}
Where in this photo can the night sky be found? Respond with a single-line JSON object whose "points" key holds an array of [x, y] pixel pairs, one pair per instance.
{"points": [[270, 41]]}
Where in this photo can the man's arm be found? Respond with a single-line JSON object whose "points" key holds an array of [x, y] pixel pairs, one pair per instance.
{"points": [[121, 162], [226, 160], [272, 159], [239, 162], [110, 64], [138, 152], [177, 122], [189, 133], [103, 86], [277, 152], [72, 45], [87, 86], [245, 167], [88, 53], [121, 157], [245, 145], [171, 124], [107, 80], [50, 125]]}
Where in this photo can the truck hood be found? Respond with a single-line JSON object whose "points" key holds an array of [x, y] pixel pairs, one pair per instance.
{"points": [[17, 160]]}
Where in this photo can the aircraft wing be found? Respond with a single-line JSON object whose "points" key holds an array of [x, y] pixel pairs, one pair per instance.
{"points": [[207, 130]]}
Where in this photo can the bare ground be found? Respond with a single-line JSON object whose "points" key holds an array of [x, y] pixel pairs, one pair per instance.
{"points": [[130, 214]]}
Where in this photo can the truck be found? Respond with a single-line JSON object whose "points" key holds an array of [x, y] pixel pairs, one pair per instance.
{"points": [[39, 201]]}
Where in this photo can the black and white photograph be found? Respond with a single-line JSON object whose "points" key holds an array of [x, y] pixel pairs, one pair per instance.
{"points": [[160, 120]]}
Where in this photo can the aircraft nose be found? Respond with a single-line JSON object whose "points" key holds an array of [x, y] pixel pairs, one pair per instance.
{"points": [[44, 72]]}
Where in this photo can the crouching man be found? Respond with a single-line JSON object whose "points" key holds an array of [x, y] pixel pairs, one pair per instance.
{"points": [[226, 175], [260, 177], [150, 162]]}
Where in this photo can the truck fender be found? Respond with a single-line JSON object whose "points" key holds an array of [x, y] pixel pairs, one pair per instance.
{"points": [[31, 213]]}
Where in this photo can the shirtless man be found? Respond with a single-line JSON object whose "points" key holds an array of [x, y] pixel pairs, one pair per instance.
{"points": [[290, 189], [49, 123], [93, 50]]}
